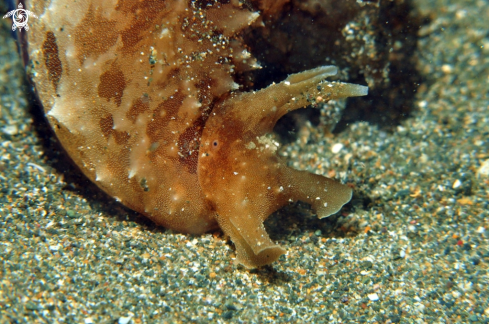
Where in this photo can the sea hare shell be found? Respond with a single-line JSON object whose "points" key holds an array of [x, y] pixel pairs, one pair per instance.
{"points": [[141, 95]]}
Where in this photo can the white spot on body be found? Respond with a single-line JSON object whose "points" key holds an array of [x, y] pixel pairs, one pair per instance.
{"points": [[132, 173], [165, 32]]}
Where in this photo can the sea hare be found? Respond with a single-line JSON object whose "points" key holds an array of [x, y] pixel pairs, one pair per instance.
{"points": [[143, 97]]}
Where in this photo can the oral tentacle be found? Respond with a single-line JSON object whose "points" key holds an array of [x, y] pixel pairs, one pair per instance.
{"points": [[262, 109]]}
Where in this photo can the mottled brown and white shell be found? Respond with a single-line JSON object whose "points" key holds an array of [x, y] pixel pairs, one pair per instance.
{"points": [[142, 96]]}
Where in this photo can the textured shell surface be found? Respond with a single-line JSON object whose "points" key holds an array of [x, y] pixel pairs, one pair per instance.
{"points": [[144, 98]]}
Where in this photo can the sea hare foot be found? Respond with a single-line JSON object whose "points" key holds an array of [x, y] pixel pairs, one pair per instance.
{"points": [[242, 176]]}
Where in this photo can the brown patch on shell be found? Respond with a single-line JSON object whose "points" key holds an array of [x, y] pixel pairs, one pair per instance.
{"points": [[93, 46], [51, 59], [189, 145], [106, 125], [107, 128], [112, 84], [139, 106]]}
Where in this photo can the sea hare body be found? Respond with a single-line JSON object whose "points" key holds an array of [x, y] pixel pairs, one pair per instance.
{"points": [[141, 95]]}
